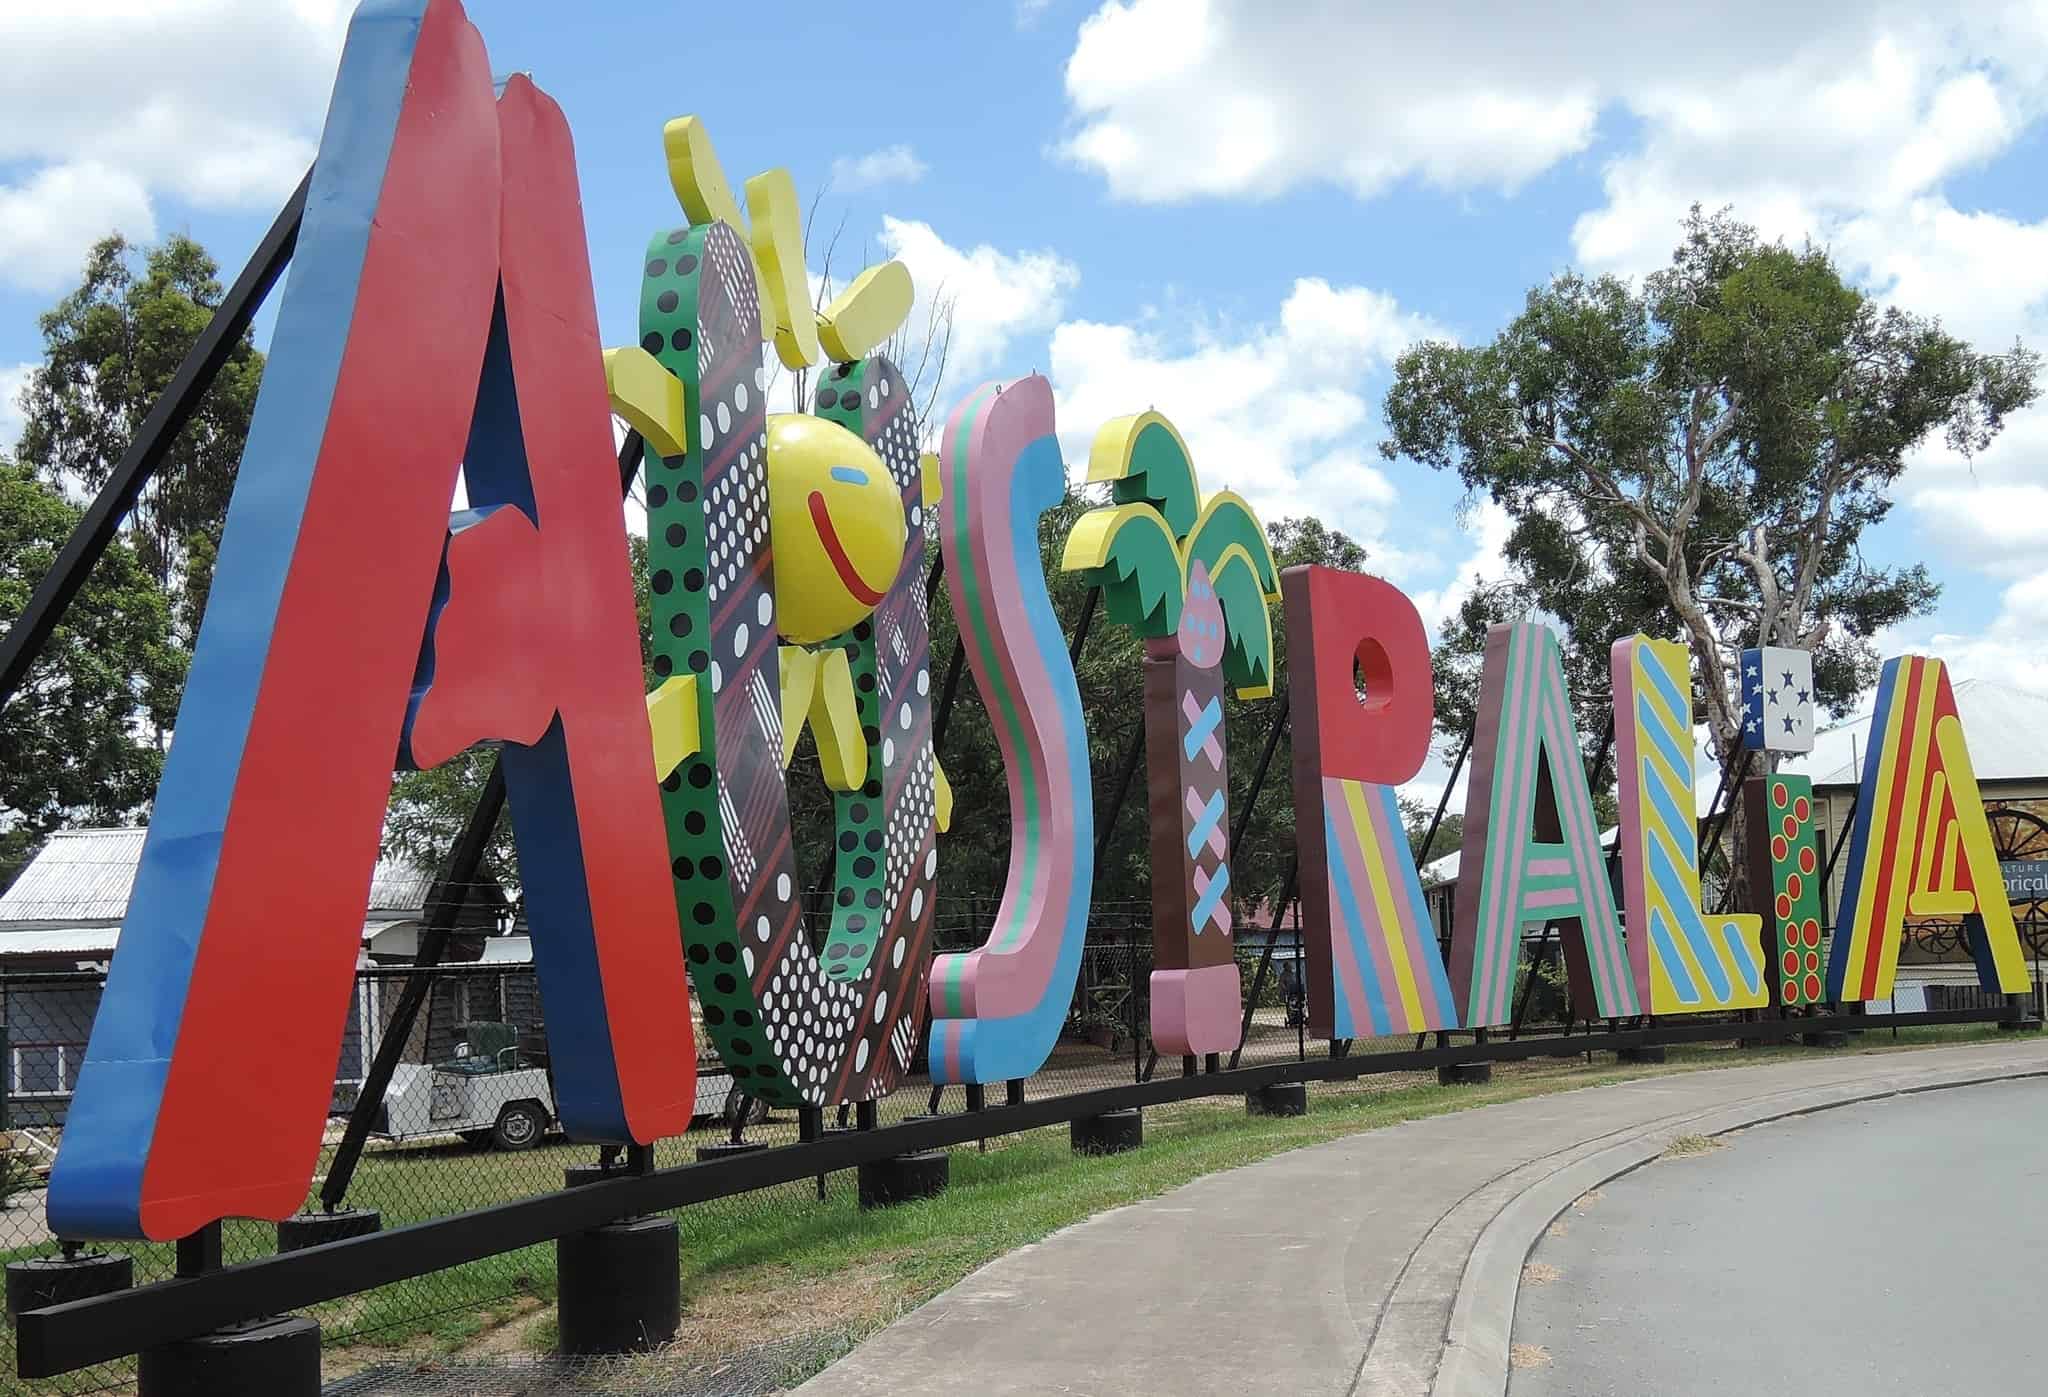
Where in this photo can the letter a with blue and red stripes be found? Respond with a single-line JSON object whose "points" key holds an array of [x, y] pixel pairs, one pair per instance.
{"points": [[438, 318]]}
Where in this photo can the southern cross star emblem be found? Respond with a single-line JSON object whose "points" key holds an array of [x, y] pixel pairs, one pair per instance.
{"points": [[1777, 683]]}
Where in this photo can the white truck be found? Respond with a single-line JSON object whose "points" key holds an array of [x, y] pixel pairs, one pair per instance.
{"points": [[494, 1093]]}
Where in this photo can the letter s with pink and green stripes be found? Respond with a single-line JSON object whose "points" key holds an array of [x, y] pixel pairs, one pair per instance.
{"points": [[997, 1010]]}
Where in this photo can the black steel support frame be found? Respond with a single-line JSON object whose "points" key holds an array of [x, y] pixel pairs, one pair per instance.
{"points": [[153, 441], [83, 1332]]}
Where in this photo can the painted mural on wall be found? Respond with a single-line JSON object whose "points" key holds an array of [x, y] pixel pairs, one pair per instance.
{"points": [[439, 318]]}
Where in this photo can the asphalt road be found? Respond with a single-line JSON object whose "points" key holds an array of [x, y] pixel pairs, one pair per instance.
{"points": [[1897, 1246]]}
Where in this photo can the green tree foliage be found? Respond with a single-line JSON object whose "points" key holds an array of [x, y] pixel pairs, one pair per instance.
{"points": [[1697, 457], [111, 347], [76, 739]]}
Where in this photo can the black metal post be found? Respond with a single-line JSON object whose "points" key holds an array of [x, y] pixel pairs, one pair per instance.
{"points": [[1251, 796], [1300, 1024], [1599, 766], [1444, 801], [1827, 873], [199, 1252], [1287, 890], [1081, 627], [947, 692], [1529, 987], [159, 432], [1710, 842], [1105, 828]]}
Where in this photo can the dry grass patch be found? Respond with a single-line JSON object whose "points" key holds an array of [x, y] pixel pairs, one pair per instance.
{"points": [[1687, 1146], [1528, 1356], [1539, 1273]]}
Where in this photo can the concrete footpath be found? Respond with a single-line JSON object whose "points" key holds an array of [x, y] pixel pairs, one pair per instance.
{"points": [[1385, 1264]]}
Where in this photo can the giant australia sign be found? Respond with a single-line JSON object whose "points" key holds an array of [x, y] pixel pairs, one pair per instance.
{"points": [[439, 324]]}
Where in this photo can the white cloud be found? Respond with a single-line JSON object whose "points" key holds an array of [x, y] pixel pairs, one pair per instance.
{"points": [[2013, 649], [1278, 412], [1488, 527], [109, 106], [897, 164], [1174, 99], [13, 379], [49, 220], [1182, 98], [996, 296]]}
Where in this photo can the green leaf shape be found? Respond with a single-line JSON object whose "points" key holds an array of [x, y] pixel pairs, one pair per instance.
{"points": [[1129, 551]]}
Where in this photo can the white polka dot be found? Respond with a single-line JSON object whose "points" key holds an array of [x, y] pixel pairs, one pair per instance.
{"points": [[888, 751], [885, 387], [704, 437], [931, 865], [766, 610], [896, 956], [874, 397], [724, 418], [739, 641], [881, 1002], [717, 677], [763, 929], [747, 956], [916, 906], [782, 882], [739, 397], [924, 681], [917, 516], [903, 718]]}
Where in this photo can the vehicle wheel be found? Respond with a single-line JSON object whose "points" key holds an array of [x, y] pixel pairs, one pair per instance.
{"points": [[476, 1139], [519, 1126], [742, 1109]]}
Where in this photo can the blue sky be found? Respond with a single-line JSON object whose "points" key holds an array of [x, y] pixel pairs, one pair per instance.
{"points": [[1234, 212]]}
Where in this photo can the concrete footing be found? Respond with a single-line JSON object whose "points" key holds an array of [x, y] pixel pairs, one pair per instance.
{"points": [[620, 1286], [904, 1178], [263, 1358], [53, 1280], [1281, 1099], [1112, 1132], [314, 1229]]}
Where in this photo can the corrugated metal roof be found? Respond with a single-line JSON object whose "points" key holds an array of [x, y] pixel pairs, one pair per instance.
{"points": [[98, 942], [86, 875], [80, 875], [2006, 728]]}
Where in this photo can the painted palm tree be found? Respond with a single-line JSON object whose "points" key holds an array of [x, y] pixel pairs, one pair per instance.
{"points": [[1193, 576]]}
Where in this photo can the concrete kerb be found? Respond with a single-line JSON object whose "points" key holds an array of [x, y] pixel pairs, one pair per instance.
{"points": [[1474, 1360]]}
